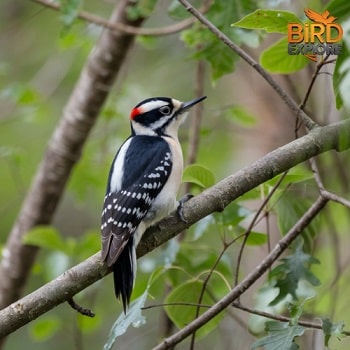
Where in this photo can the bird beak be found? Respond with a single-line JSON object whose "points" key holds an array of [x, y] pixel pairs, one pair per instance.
{"points": [[187, 105]]}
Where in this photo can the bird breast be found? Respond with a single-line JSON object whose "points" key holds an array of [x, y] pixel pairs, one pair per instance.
{"points": [[165, 202]]}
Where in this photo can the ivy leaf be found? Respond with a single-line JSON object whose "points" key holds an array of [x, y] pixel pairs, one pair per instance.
{"points": [[280, 336], [272, 21], [198, 175], [292, 269], [332, 329]]}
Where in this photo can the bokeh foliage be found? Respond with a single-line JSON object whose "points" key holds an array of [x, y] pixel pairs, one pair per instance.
{"points": [[38, 71]]}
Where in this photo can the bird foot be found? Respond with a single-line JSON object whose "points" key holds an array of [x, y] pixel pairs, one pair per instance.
{"points": [[181, 202]]}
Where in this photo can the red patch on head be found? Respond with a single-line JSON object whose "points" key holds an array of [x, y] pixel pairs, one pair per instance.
{"points": [[135, 112]]}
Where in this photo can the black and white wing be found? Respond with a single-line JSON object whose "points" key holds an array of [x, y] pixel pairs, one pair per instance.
{"points": [[147, 163]]}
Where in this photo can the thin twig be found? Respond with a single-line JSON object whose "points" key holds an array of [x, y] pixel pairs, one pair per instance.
{"points": [[303, 323], [319, 66], [205, 283], [91, 18], [302, 105], [324, 192], [335, 198], [252, 223], [175, 304], [196, 118], [337, 258], [82, 310]]}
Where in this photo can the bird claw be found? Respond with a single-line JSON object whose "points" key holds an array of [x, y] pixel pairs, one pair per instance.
{"points": [[181, 202]]}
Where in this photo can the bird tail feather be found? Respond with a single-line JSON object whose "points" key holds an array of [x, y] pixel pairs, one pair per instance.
{"points": [[124, 272]]}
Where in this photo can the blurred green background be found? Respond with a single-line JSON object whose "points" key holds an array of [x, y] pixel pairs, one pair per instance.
{"points": [[40, 61]]}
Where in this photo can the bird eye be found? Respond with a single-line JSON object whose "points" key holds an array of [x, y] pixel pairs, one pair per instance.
{"points": [[165, 110]]}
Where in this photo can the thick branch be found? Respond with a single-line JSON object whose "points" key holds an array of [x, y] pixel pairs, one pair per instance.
{"points": [[63, 151], [319, 140], [335, 136]]}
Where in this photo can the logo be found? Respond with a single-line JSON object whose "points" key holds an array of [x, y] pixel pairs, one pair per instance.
{"points": [[321, 36]]}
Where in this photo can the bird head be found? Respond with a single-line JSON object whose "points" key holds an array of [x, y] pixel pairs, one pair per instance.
{"points": [[160, 115]]}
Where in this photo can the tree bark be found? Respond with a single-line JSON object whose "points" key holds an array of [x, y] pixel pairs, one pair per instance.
{"points": [[64, 150]]}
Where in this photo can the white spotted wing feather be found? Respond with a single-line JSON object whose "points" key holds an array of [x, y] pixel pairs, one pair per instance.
{"points": [[130, 196]]}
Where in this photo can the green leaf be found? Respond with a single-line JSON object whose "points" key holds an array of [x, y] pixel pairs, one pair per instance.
{"points": [[141, 8], [22, 94], [276, 59], [256, 238], [280, 336], [332, 329], [133, 315], [45, 237], [207, 46], [293, 268], [181, 314], [203, 226], [198, 258], [289, 210], [295, 175], [296, 310], [88, 244], [232, 215], [341, 76], [220, 57], [44, 328], [177, 11], [198, 175], [90, 324], [69, 11], [55, 264], [239, 115], [339, 9], [272, 21]]}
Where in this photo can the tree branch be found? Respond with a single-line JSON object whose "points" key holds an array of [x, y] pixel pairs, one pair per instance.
{"points": [[304, 323], [63, 151], [279, 248], [319, 140], [308, 122], [125, 28]]}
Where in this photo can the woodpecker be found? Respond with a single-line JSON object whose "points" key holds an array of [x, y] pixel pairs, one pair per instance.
{"points": [[142, 185]]}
